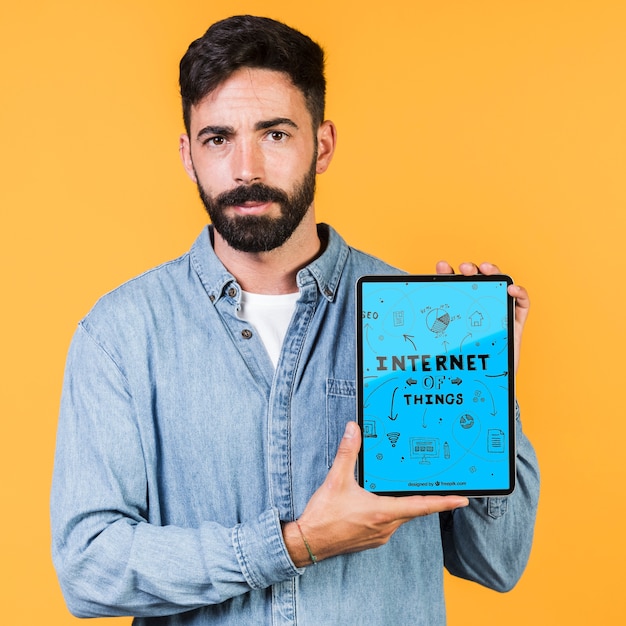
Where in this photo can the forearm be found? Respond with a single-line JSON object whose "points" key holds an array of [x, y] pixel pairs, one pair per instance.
{"points": [[116, 548], [144, 570], [489, 542]]}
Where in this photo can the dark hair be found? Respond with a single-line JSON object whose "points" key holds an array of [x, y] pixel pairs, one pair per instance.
{"points": [[255, 42]]}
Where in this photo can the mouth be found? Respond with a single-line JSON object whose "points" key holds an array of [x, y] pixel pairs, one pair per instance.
{"points": [[251, 207]]}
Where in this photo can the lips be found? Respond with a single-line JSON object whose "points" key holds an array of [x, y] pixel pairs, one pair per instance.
{"points": [[252, 208]]}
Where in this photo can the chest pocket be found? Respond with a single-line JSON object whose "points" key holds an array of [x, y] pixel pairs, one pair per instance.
{"points": [[340, 409]]}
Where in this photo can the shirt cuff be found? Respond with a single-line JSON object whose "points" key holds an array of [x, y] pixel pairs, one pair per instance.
{"points": [[262, 553]]}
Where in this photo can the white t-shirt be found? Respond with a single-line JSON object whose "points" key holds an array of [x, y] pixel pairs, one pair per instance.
{"points": [[270, 315]]}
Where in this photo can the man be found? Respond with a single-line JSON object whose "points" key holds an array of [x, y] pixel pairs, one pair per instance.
{"points": [[206, 449]]}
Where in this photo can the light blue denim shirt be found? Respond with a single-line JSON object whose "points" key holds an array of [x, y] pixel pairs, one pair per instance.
{"points": [[180, 450]]}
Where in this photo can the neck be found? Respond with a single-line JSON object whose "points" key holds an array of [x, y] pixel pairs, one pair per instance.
{"points": [[272, 272]]}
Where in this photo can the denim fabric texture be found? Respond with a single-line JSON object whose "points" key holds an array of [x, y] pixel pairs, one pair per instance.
{"points": [[180, 450]]}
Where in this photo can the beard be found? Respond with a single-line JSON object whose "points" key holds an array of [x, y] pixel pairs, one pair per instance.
{"points": [[260, 233]]}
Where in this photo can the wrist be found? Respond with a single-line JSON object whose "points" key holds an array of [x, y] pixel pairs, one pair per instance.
{"points": [[312, 556], [300, 550]]}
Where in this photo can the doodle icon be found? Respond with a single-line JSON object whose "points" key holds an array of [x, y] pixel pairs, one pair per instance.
{"points": [[446, 450], [466, 421], [476, 319], [393, 438], [369, 428], [437, 320], [495, 440], [424, 448]]}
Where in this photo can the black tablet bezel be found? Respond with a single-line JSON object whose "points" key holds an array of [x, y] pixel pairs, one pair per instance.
{"points": [[439, 278]]}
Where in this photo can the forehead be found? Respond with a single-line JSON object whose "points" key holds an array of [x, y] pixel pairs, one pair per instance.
{"points": [[250, 95]]}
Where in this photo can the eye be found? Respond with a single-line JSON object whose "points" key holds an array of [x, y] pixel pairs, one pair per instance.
{"points": [[277, 135], [215, 141]]}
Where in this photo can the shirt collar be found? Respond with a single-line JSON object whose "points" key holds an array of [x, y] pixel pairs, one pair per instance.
{"points": [[326, 270], [328, 267]]}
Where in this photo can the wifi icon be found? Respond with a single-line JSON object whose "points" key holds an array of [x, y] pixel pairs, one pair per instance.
{"points": [[393, 438]]}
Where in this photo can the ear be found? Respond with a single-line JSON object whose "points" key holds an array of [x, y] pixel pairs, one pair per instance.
{"points": [[184, 147], [326, 142]]}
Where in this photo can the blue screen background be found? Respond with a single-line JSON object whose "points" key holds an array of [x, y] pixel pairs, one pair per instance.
{"points": [[436, 397]]}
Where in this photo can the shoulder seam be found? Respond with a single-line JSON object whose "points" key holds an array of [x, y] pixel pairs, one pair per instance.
{"points": [[82, 326]]}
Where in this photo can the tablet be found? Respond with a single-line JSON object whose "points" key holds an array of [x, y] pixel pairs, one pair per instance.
{"points": [[435, 381]]}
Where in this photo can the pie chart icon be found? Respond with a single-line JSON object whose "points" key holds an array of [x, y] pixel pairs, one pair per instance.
{"points": [[437, 320]]}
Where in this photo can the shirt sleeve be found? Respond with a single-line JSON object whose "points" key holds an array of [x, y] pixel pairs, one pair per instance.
{"points": [[109, 559], [489, 541]]}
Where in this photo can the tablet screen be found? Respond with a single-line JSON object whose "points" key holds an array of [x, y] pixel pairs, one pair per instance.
{"points": [[436, 402]]}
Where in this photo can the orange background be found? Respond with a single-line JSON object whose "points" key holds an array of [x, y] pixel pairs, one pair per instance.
{"points": [[467, 130]]}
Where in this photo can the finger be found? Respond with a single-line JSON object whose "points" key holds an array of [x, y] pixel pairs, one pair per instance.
{"points": [[522, 299], [443, 267], [418, 506], [347, 453], [488, 269], [469, 269], [522, 302]]}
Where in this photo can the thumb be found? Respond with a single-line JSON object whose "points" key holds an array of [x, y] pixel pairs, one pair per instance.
{"points": [[348, 450]]}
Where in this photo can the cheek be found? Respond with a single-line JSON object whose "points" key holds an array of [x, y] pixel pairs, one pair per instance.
{"points": [[212, 177], [286, 171]]}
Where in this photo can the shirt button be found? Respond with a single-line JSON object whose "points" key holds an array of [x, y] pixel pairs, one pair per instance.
{"points": [[328, 292], [246, 334], [232, 292]]}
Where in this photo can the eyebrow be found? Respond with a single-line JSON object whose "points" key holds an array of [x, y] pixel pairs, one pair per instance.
{"points": [[277, 121], [226, 131], [229, 131]]}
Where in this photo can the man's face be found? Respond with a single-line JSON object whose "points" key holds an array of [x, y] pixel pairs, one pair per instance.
{"points": [[253, 154], [259, 233]]}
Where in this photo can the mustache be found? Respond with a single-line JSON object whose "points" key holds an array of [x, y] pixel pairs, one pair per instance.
{"points": [[251, 193]]}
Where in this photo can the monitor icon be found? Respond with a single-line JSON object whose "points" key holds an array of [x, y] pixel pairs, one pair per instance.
{"points": [[424, 448]]}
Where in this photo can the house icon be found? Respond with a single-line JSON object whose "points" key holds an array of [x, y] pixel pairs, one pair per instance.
{"points": [[476, 319]]}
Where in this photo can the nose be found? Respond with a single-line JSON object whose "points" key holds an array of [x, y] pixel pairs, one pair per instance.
{"points": [[248, 163]]}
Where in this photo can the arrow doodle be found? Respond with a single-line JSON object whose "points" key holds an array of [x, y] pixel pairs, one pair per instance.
{"points": [[409, 338], [366, 402], [391, 416], [469, 335], [366, 331]]}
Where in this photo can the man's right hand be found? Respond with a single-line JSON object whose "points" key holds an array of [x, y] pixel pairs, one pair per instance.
{"points": [[342, 517]]}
